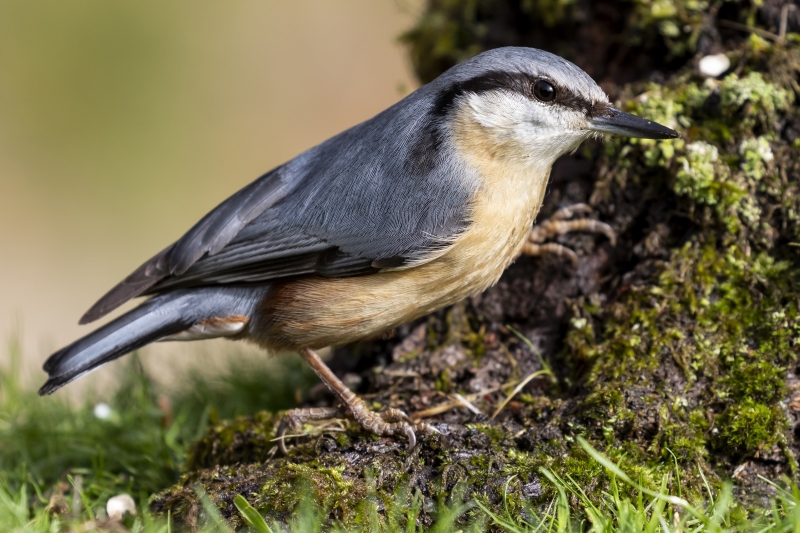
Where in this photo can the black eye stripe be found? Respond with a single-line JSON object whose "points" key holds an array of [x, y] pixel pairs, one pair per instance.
{"points": [[510, 81]]}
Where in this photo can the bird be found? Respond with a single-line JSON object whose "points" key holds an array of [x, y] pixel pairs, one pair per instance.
{"points": [[410, 211]]}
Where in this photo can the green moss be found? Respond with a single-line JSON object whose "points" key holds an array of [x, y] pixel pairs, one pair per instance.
{"points": [[704, 316], [495, 433], [605, 409], [451, 31], [684, 437], [443, 381], [750, 426], [678, 22], [755, 91], [721, 167], [756, 156], [242, 439], [761, 381], [701, 176], [326, 484], [551, 12]]}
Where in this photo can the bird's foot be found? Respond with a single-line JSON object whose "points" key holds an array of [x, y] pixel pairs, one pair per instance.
{"points": [[559, 224], [295, 418], [389, 422]]}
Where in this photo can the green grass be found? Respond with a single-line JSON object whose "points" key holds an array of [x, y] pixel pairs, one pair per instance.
{"points": [[50, 447], [59, 464], [649, 511]]}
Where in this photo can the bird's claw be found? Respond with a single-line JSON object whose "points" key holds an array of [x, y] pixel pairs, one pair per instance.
{"points": [[559, 224], [411, 436], [295, 418], [389, 422]]}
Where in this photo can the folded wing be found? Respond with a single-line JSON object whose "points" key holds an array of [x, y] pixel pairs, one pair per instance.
{"points": [[352, 205]]}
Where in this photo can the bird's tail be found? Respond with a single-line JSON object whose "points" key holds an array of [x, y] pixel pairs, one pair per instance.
{"points": [[183, 314]]}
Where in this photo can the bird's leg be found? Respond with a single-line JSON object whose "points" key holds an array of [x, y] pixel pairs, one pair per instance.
{"points": [[559, 224], [389, 422]]}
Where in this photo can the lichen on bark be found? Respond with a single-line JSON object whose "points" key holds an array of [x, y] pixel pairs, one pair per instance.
{"points": [[674, 350]]}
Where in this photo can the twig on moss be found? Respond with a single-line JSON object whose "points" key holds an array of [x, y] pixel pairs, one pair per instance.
{"points": [[466, 403], [744, 27], [333, 425], [785, 19], [518, 388], [533, 349], [444, 407]]}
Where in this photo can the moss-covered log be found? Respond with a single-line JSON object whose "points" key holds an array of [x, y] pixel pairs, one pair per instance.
{"points": [[673, 350]]}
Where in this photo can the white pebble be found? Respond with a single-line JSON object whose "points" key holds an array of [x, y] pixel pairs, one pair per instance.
{"points": [[715, 65], [119, 505], [102, 411]]}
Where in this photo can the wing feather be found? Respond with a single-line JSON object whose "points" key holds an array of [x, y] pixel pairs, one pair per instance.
{"points": [[209, 235], [349, 206]]}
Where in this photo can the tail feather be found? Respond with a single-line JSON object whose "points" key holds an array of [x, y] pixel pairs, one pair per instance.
{"points": [[155, 319]]}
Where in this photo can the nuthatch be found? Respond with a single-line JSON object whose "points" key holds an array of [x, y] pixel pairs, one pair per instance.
{"points": [[415, 209]]}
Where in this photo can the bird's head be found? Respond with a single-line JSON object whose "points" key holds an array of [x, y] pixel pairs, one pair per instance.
{"points": [[530, 106]]}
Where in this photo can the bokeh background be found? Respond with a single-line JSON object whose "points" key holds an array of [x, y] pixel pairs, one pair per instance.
{"points": [[122, 123]]}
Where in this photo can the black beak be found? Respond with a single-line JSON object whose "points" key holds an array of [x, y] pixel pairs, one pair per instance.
{"points": [[620, 123]]}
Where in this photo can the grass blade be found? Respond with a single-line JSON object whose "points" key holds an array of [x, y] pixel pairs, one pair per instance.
{"points": [[250, 515]]}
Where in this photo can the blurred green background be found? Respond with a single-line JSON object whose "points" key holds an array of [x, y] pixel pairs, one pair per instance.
{"points": [[122, 123]]}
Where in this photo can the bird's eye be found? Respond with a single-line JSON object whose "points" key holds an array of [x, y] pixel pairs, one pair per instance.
{"points": [[543, 91]]}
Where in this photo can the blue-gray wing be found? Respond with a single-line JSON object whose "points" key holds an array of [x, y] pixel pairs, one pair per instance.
{"points": [[378, 195]]}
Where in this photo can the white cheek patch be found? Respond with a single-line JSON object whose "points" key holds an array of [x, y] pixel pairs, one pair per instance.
{"points": [[498, 110], [534, 132]]}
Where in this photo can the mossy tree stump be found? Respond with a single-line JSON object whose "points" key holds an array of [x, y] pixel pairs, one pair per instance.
{"points": [[672, 351]]}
